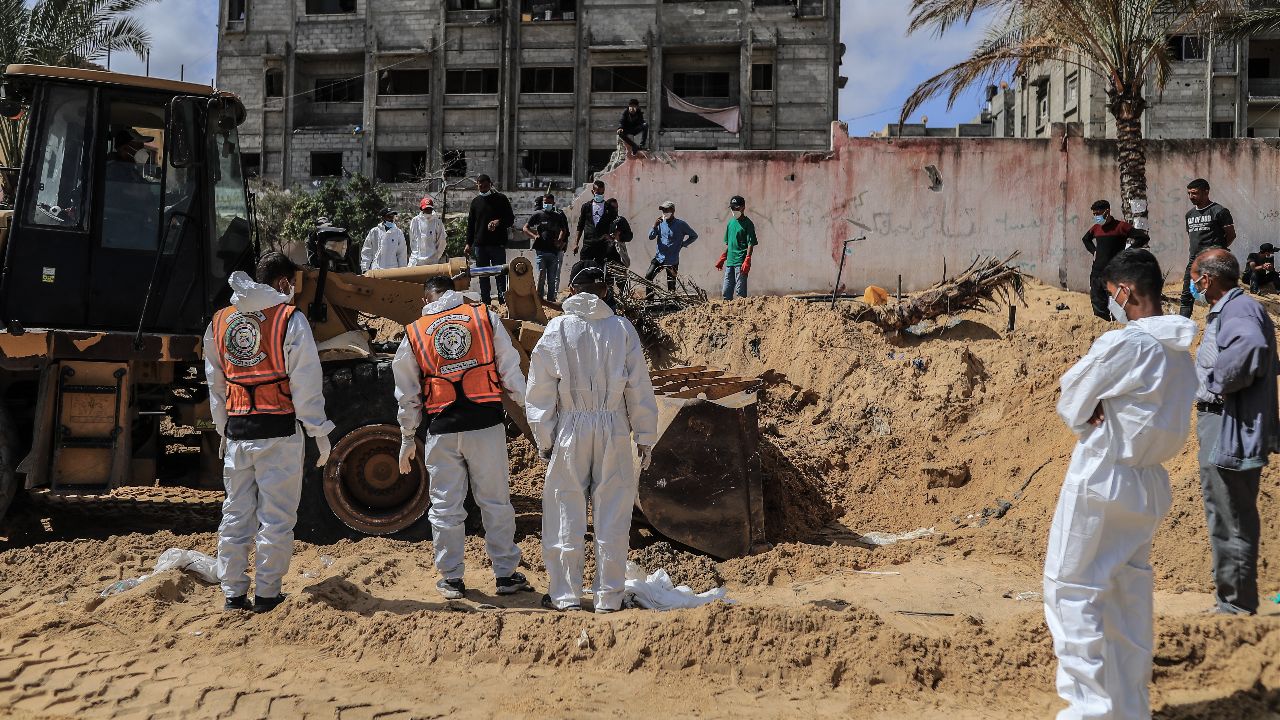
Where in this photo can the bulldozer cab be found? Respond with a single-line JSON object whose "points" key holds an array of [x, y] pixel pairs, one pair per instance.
{"points": [[130, 207]]}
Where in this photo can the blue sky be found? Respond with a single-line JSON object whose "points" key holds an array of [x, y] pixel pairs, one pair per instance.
{"points": [[883, 64]]}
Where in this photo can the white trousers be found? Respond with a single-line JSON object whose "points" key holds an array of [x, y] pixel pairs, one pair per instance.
{"points": [[263, 480], [592, 457], [1098, 586], [479, 456]]}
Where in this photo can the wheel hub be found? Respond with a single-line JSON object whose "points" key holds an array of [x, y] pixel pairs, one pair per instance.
{"points": [[363, 485]]}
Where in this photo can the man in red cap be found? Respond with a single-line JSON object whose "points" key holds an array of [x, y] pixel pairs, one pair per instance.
{"points": [[426, 236]]}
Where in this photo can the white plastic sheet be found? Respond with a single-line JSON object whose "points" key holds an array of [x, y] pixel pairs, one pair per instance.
{"points": [[193, 561], [655, 591]]}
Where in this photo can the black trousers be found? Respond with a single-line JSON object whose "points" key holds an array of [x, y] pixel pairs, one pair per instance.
{"points": [[672, 271], [1263, 277], [1098, 294], [1231, 508]]}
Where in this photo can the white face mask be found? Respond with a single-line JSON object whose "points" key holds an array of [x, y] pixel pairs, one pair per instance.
{"points": [[141, 157], [289, 295], [485, 193], [668, 215], [1117, 310]]}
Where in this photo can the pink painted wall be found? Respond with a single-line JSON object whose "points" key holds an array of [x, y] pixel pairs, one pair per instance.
{"points": [[996, 196]]}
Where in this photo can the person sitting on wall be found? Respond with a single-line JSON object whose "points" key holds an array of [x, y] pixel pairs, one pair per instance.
{"points": [[633, 129], [1260, 269]]}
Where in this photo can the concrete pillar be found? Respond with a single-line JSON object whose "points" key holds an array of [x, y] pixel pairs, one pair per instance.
{"points": [[581, 91], [744, 82], [656, 93]]}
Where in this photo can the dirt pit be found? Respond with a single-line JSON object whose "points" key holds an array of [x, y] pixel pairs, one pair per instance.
{"points": [[951, 439]]}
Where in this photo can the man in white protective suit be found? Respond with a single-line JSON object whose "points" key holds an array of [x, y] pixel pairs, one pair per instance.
{"points": [[1129, 403], [384, 247], [453, 366], [427, 237], [589, 403], [264, 379]]}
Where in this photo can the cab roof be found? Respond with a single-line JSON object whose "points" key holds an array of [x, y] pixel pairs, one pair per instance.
{"points": [[102, 77]]}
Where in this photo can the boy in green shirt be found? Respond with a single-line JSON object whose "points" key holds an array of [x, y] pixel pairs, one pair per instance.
{"points": [[739, 239]]}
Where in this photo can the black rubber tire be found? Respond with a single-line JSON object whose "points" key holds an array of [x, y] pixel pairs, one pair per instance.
{"points": [[9, 484], [356, 393]]}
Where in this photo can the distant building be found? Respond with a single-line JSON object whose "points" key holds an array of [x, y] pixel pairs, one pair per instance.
{"points": [[1215, 90], [528, 91]]}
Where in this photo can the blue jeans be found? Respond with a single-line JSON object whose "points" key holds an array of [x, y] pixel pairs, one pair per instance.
{"points": [[487, 255], [734, 279], [548, 264]]}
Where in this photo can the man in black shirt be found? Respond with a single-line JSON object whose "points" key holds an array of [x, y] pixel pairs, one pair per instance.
{"points": [[633, 130], [549, 230], [487, 223], [1209, 225], [1104, 241], [595, 220], [1260, 269]]}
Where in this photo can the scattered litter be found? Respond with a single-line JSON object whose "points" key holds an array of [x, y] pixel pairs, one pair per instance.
{"points": [[656, 591], [198, 633], [193, 561], [326, 560], [880, 539], [584, 641], [486, 606], [1061, 306], [876, 572], [1025, 596]]}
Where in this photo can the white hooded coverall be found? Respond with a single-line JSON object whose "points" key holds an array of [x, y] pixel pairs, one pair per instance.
{"points": [[452, 458], [1097, 579], [589, 403], [384, 249], [263, 478], [427, 238]]}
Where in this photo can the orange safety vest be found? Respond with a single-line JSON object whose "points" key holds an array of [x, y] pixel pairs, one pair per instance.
{"points": [[251, 346], [455, 353]]}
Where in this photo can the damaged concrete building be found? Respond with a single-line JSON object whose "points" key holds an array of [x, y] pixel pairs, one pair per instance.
{"points": [[1215, 90], [528, 91]]}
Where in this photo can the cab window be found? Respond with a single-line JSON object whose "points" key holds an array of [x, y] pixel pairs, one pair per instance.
{"points": [[61, 161], [134, 170]]}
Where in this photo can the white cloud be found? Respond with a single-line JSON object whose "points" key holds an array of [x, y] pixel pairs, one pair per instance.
{"points": [[184, 40], [884, 64]]}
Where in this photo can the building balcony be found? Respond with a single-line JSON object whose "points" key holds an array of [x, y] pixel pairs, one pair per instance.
{"points": [[330, 115], [1268, 88]]}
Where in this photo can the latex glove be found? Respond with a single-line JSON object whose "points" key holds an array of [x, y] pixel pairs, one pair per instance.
{"points": [[645, 453], [408, 451], [723, 257], [746, 266], [222, 448], [322, 444]]}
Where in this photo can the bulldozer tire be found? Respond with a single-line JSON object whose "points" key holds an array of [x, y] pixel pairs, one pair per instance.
{"points": [[360, 491], [8, 461]]}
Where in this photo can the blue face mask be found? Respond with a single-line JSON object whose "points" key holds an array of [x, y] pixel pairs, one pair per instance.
{"points": [[1199, 296], [387, 224], [1099, 219], [599, 198], [548, 206]]}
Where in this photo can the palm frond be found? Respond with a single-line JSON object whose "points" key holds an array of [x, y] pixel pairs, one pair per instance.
{"points": [[1263, 19]]}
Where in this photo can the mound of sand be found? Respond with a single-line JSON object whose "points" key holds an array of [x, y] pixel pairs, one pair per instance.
{"points": [[955, 431]]}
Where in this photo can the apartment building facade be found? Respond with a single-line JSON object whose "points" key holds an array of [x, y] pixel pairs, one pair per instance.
{"points": [[528, 91], [1215, 90]]}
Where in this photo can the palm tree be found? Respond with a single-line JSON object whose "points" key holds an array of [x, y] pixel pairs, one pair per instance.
{"points": [[71, 33], [1125, 42], [1263, 17]]}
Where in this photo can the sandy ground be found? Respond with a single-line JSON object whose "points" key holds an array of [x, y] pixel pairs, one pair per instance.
{"points": [[857, 437]]}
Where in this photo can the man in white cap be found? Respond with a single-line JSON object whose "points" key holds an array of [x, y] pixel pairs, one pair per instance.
{"points": [[426, 236]]}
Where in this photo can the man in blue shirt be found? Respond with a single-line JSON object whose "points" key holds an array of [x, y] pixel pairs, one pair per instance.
{"points": [[672, 235]]}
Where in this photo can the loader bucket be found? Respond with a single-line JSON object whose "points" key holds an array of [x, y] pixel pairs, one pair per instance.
{"points": [[704, 488]]}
